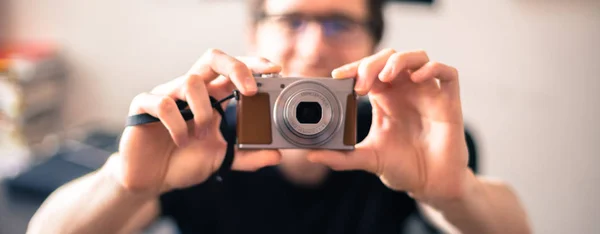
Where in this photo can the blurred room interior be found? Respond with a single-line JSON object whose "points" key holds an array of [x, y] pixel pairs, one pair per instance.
{"points": [[529, 69]]}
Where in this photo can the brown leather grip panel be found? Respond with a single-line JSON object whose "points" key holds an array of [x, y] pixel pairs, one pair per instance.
{"points": [[350, 125], [254, 119]]}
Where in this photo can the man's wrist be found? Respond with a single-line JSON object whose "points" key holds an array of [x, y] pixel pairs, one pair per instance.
{"points": [[112, 171], [466, 209], [469, 191]]}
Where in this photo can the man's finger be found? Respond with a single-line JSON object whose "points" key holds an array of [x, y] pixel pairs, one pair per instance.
{"points": [[257, 65], [239, 74], [260, 65], [346, 71], [215, 62], [169, 87], [252, 160], [196, 95], [399, 62], [165, 109], [368, 70], [447, 75], [360, 158]]}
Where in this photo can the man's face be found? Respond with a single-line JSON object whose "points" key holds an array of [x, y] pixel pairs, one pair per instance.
{"points": [[311, 48], [304, 47]]}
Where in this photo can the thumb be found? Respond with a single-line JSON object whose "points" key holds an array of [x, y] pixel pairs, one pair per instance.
{"points": [[361, 158], [252, 160]]}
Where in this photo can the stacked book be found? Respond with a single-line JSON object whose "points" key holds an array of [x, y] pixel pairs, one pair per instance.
{"points": [[32, 95]]}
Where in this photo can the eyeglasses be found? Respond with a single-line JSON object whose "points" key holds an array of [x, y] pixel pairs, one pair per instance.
{"points": [[337, 29]]}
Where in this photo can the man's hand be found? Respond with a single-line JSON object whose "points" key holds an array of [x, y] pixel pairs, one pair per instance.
{"points": [[175, 154], [416, 142]]}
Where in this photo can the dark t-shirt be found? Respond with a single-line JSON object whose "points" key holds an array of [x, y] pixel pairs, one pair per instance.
{"points": [[264, 202]]}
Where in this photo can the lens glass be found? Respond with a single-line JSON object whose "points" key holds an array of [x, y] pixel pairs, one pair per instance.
{"points": [[309, 112]]}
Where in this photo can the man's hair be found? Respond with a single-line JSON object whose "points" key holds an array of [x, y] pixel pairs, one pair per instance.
{"points": [[375, 20]]}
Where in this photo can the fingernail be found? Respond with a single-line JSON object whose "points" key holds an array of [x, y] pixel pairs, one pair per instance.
{"points": [[383, 76], [271, 64], [339, 73], [250, 84], [335, 73]]}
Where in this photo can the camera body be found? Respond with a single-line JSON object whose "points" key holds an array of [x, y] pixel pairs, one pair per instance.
{"points": [[297, 112]]}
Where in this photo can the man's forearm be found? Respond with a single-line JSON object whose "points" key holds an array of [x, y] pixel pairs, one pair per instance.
{"points": [[95, 203], [486, 207]]}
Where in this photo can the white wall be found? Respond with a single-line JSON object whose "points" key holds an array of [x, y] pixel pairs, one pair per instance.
{"points": [[530, 73]]}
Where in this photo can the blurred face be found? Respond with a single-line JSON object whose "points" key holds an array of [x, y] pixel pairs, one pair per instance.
{"points": [[310, 38], [313, 37]]}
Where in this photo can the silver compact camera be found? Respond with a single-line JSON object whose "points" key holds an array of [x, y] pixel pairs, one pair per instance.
{"points": [[298, 112]]}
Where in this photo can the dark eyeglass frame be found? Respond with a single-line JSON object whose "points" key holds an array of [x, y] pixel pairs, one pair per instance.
{"points": [[369, 25]]}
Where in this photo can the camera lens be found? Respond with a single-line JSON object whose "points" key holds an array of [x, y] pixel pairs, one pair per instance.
{"points": [[309, 112]]}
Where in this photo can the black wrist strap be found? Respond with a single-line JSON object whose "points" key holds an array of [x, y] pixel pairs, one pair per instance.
{"points": [[229, 138], [187, 114]]}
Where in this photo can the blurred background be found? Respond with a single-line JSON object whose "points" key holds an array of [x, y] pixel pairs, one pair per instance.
{"points": [[529, 69]]}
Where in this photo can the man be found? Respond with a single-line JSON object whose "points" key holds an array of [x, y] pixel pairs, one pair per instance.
{"points": [[413, 157]]}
